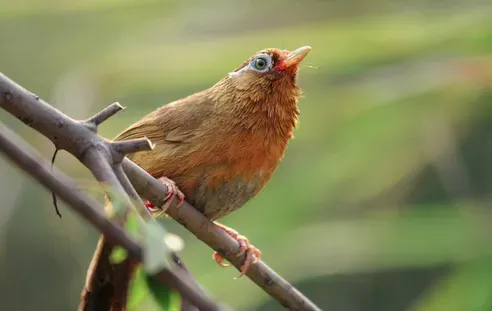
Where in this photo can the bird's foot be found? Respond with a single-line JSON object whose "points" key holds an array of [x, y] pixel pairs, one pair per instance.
{"points": [[172, 192], [252, 253]]}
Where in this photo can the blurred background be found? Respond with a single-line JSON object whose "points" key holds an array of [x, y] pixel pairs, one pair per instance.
{"points": [[382, 202]]}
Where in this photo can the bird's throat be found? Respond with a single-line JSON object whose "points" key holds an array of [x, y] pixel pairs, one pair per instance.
{"points": [[270, 111]]}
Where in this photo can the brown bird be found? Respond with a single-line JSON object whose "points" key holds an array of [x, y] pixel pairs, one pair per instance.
{"points": [[219, 147]]}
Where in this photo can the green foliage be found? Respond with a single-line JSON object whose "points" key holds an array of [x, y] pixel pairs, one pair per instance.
{"points": [[118, 255], [155, 251], [145, 289], [165, 298], [157, 244], [120, 212], [149, 294]]}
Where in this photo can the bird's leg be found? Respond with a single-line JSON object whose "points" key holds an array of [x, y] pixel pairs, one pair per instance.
{"points": [[252, 253], [172, 192]]}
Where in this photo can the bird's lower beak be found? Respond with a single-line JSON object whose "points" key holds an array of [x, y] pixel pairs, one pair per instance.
{"points": [[295, 57]]}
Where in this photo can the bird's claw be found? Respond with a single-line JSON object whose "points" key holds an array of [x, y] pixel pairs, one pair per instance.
{"points": [[252, 256], [245, 247], [219, 259], [172, 192], [151, 207]]}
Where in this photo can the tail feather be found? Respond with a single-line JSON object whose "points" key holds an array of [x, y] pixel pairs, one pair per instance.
{"points": [[107, 284]]}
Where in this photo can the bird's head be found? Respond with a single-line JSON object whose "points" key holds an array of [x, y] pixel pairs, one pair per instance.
{"points": [[273, 64], [263, 90], [268, 75], [270, 71]]}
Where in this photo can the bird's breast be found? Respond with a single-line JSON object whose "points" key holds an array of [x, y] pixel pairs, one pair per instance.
{"points": [[233, 173]]}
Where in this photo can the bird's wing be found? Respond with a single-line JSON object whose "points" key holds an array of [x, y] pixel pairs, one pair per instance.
{"points": [[175, 131], [175, 123]]}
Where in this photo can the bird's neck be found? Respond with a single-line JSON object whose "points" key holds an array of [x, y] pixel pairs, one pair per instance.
{"points": [[273, 113]]}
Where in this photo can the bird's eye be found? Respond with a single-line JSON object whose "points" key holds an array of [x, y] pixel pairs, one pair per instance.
{"points": [[261, 63]]}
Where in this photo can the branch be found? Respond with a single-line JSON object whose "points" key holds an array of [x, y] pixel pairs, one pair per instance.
{"points": [[260, 273], [27, 159], [105, 114], [50, 122], [125, 147]]}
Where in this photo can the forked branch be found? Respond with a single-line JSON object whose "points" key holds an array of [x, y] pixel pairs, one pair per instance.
{"points": [[28, 160]]}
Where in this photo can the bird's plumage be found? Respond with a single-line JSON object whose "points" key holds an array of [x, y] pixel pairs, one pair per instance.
{"points": [[221, 145]]}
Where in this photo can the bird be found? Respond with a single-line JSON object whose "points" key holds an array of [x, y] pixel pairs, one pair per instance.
{"points": [[217, 149]]}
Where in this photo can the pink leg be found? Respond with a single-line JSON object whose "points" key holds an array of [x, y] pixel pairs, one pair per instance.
{"points": [[172, 192], [252, 253]]}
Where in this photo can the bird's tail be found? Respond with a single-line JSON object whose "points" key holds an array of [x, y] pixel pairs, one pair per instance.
{"points": [[107, 284]]}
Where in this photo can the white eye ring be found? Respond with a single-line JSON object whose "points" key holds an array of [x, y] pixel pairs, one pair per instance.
{"points": [[261, 63]]}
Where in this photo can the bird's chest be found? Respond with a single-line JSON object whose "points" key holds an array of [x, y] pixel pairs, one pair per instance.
{"points": [[240, 169]]}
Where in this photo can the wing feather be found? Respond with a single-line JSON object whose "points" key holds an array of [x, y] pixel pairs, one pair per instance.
{"points": [[177, 122], [173, 129]]}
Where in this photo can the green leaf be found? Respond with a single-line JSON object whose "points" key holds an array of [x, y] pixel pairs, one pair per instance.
{"points": [[157, 245], [165, 298], [139, 290], [132, 224], [156, 252], [147, 293], [118, 255], [118, 205]]}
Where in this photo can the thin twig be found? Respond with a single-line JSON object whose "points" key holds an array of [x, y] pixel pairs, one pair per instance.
{"points": [[53, 195], [27, 159], [125, 147], [105, 114], [67, 134]]}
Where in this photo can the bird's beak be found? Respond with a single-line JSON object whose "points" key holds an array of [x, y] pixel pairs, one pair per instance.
{"points": [[295, 57]]}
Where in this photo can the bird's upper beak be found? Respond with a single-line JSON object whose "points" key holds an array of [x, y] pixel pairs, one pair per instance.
{"points": [[296, 56]]}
